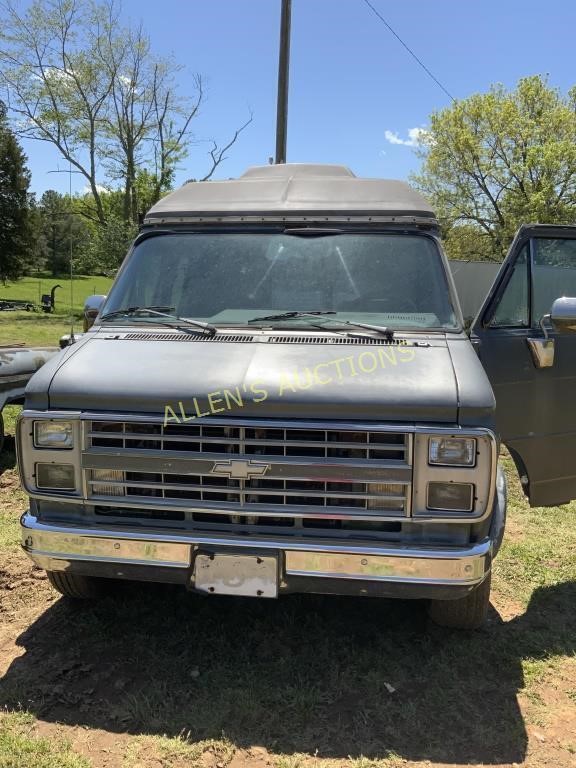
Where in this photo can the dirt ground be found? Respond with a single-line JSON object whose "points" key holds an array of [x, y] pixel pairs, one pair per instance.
{"points": [[155, 677]]}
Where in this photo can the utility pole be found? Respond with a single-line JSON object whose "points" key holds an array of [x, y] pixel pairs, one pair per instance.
{"points": [[283, 76]]}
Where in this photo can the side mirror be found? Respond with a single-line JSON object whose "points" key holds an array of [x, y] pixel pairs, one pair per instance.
{"points": [[92, 306], [563, 318], [563, 314]]}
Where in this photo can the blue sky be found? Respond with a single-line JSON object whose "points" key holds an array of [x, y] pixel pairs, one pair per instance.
{"points": [[351, 82]]}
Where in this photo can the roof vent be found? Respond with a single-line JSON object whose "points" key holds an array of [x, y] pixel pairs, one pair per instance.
{"points": [[297, 170]]}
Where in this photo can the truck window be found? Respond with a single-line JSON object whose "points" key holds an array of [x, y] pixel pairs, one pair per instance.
{"points": [[392, 279], [553, 273], [513, 309]]}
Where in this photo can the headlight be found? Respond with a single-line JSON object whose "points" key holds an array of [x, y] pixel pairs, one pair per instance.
{"points": [[453, 497], [53, 434], [55, 477], [452, 451]]}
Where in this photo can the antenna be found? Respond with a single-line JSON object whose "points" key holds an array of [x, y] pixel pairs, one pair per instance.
{"points": [[72, 339], [70, 212]]}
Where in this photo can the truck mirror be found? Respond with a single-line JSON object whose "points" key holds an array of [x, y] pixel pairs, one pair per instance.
{"points": [[563, 314], [92, 306]]}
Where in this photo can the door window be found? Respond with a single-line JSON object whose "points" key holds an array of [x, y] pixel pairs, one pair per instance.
{"points": [[513, 307], [553, 273]]}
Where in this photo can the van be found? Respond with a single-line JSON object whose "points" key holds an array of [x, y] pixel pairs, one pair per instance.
{"points": [[278, 395]]}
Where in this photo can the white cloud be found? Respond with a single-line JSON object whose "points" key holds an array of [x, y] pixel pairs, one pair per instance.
{"points": [[127, 84], [415, 136], [86, 190]]}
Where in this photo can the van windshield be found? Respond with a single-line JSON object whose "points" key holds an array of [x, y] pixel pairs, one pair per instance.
{"points": [[229, 279]]}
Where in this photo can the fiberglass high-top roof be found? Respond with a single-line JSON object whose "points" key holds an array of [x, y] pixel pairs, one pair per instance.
{"points": [[286, 191]]}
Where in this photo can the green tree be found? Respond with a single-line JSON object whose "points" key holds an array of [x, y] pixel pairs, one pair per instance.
{"points": [[497, 159], [65, 233], [108, 247], [16, 230], [468, 242], [37, 256], [80, 79]]}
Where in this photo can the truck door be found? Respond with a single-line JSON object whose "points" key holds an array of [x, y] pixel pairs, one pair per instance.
{"points": [[527, 345]]}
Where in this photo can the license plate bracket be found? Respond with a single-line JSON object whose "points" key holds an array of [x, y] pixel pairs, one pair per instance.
{"points": [[236, 573]]}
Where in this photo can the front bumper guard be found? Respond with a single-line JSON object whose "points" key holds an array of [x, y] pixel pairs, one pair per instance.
{"points": [[57, 547]]}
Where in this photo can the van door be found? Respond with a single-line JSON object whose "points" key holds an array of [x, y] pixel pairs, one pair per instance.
{"points": [[530, 359]]}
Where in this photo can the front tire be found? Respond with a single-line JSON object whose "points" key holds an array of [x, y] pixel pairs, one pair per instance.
{"points": [[465, 613], [76, 586]]}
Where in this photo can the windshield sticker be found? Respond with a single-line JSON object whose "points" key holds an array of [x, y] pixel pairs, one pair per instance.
{"points": [[289, 381]]}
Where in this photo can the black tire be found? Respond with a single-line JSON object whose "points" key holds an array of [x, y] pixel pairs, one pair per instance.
{"points": [[1, 432], [75, 586], [466, 613]]}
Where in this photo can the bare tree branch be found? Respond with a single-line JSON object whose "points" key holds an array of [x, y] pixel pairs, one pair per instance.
{"points": [[218, 155], [76, 78]]}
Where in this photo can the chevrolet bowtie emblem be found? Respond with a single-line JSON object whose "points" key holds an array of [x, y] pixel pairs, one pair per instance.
{"points": [[240, 470]]}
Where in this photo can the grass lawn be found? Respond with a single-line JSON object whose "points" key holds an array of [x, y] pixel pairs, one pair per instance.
{"points": [[20, 747], [155, 677], [34, 329], [40, 328], [31, 288]]}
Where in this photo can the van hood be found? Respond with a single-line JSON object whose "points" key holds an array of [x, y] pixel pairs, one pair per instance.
{"points": [[289, 376]]}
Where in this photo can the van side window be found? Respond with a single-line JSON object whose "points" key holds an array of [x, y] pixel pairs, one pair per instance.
{"points": [[553, 273], [513, 308]]}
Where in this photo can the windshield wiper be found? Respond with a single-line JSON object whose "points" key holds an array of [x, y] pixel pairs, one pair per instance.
{"points": [[388, 332], [131, 311], [134, 310], [290, 315]]}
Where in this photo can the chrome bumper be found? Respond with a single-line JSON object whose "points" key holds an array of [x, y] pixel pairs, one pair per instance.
{"points": [[57, 547]]}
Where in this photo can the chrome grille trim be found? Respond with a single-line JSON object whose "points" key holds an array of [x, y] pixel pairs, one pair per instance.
{"points": [[232, 441], [233, 436], [287, 468], [243, 493], [329, 471]]}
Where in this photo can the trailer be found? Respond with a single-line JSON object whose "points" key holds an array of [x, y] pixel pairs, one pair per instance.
{"points": [[17, 305]]}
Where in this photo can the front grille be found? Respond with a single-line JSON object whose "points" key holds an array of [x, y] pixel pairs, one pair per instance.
{"points": [[281, 441], [255, 473]]}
